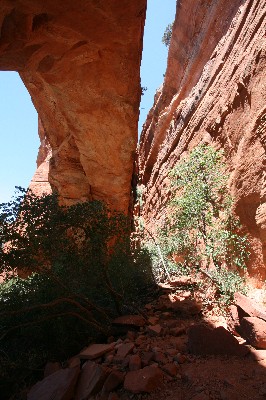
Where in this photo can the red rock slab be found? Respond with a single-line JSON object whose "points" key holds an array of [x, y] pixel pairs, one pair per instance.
{"points": [[134, 362], [147, 357], [249, 306], [115, 379], [153, 320], [154, 330], [132, 320], [258, 355], [147, 380], [58, 386], [203, 340], [160, 357], [125, 349], [254, 331], [91, 380], [95, 351], [171, 369]]}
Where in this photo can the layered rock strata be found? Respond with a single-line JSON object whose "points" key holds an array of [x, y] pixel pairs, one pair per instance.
{"points": [[80, 63], [213, 92]]}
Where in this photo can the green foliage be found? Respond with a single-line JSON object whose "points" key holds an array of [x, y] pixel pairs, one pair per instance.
{"points": [[200, 228], [83, 273], [228, 283], [166, 39]]}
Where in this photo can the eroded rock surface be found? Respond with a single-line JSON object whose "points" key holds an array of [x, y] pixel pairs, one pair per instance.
{"points": [[214, 92], [80, 63]]}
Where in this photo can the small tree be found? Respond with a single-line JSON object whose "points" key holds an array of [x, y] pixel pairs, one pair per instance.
{"points": [[201, 230], [166, 39]]}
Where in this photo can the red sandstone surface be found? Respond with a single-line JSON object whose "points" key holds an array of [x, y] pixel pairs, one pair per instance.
{"points": [[80, 63], [213, 92]]}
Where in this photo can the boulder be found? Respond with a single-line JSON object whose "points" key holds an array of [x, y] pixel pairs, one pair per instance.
{"points": [[249, 306], [91, 380], [147, 357], [115, 379], [134, 362], [125, 349], [57, 386], [258, 355], [154, 330], [159, 357], [171, 369], [203, 340], [254, 331], [147, 380]]}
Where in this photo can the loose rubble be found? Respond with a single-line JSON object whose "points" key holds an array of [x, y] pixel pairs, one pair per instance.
{"points": [[161, 351]]}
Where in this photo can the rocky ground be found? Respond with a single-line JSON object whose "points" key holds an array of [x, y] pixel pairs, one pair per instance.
{"points": [[176, 349]]}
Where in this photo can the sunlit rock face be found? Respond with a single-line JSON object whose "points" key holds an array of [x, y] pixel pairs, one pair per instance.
{"points": [[40, 181], [80, 62], [213, 92]]}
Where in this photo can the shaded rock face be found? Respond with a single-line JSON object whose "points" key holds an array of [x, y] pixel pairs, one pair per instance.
{"points": [[214, 92], [80, 63]]}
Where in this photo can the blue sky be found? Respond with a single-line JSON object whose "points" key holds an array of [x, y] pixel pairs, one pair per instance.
{"points": [[160, 13], [18, 117]]}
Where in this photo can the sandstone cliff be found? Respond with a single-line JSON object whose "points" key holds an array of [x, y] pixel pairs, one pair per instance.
{"points": [[80, 62], [213, 92]]}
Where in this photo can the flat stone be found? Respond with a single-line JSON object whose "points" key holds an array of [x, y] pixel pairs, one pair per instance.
{"points": [[153, 320], [134, 362], [132, 320], [154, 330], [73, 362], [95, 351], [254, 331], [171, 369], [115, 379], [159, 357], [258, 355], [147, 357], [91, 380], [177, 331], [147, 380], [58, 386], [203, 340], [249, 306], [125, 349]]}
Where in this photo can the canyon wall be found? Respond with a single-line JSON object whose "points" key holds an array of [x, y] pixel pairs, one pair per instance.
{"points": [[80, 63], [213, 92]]}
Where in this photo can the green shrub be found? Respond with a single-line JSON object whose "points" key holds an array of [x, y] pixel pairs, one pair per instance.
{"points": [[166, 39], [200, 228], [82, 273]]}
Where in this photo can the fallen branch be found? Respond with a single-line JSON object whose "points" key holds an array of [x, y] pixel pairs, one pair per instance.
{"points": [[160, 254]]}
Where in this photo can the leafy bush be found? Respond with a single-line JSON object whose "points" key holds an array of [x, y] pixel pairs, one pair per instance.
{"points": [[200, 230], [166, 39], [81, 273]]}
